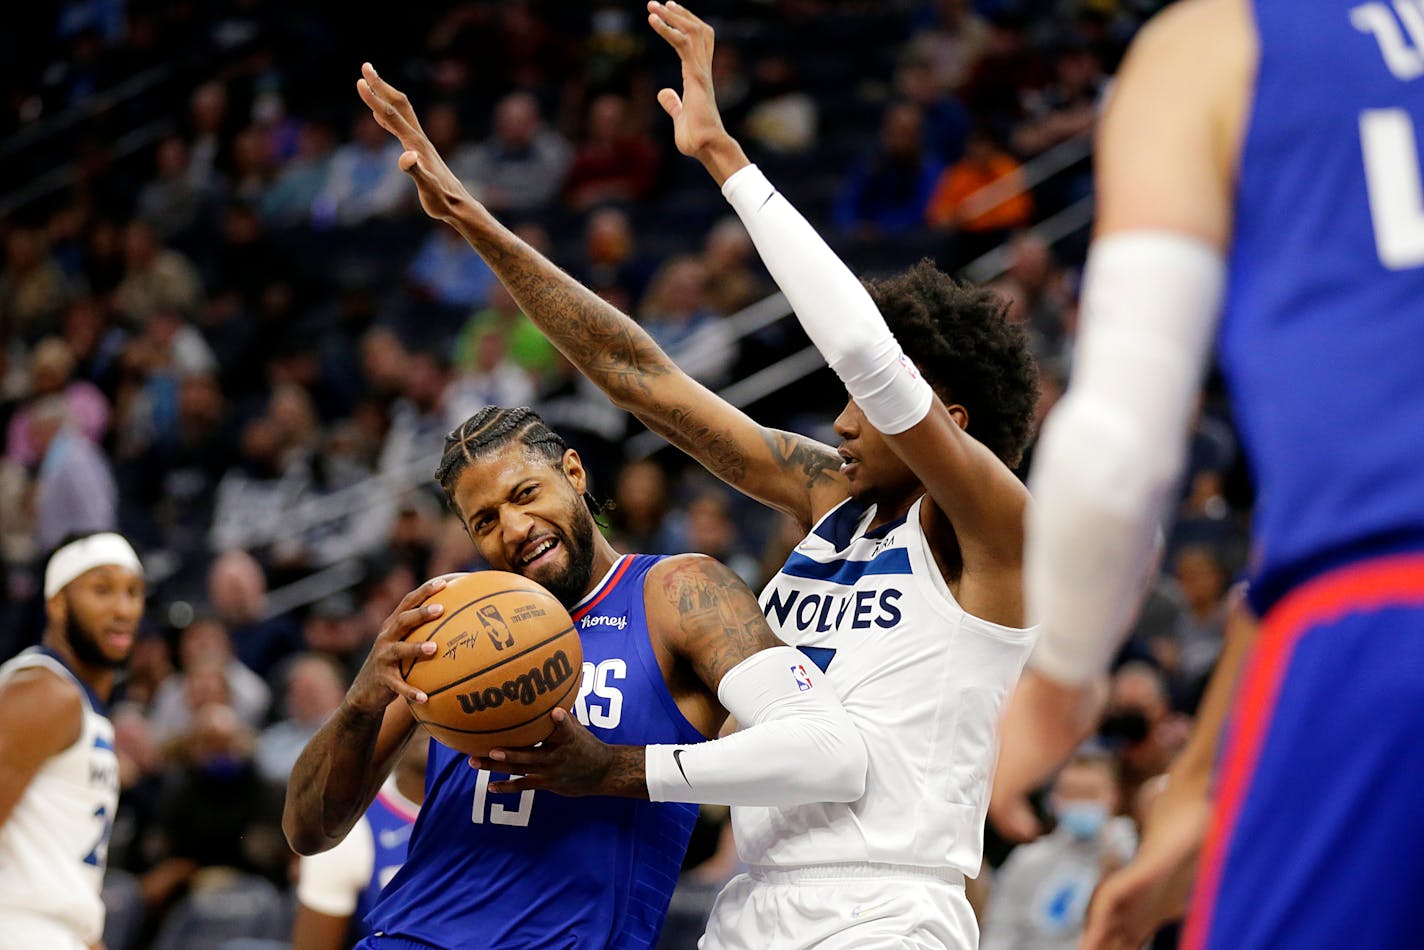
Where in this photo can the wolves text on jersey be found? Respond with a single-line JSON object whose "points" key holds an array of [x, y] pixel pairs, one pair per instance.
{"points": [[825, 612]]}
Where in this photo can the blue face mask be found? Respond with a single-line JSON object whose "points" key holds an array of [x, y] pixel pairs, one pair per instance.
{"points": [[1083, 820]]}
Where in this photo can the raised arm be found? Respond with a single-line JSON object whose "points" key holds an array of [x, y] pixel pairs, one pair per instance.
{"points": [[796, 745], [976, 492], [343, 765], [788, 472]]}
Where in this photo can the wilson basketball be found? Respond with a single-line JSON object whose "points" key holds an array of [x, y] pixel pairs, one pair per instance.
{"points": [[507, 654]]}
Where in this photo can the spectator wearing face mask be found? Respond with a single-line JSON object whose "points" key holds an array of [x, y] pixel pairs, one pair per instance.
{"points": [[1041, 894]]}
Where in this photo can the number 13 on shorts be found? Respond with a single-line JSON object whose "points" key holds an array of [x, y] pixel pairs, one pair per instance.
{"points": [[488, 807]]}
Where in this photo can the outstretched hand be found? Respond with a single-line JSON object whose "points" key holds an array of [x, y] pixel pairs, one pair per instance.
{"points": [[572, 761], [697, 125], [441, 194]]}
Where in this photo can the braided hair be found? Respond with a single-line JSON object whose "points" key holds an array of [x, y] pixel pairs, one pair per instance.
{"points": [[491, 429]]}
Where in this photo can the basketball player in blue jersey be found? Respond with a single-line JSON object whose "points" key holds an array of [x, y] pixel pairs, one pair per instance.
{"points": [[336, 889], [671, 646], [59, 777], [1259, 184], [907, 589]]}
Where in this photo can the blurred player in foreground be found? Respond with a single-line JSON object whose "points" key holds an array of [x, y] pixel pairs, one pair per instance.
{"points": [[337, 889], [671, 645], [1259, 183], [59, 777], [907, 589]]}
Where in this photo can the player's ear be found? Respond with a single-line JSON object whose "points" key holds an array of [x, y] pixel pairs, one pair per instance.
{"points": [[959, 414], [574, 471], [57, 611]]}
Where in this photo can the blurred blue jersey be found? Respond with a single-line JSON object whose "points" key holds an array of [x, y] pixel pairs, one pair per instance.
{"points": [[534, 869], [1323, 332]]}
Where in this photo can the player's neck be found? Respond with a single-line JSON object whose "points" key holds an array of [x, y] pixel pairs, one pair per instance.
{"points": [[98, 678], [894, 507], [604, 557]]}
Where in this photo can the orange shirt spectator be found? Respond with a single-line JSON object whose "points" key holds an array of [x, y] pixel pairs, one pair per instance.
{"points": [[983, 165]]}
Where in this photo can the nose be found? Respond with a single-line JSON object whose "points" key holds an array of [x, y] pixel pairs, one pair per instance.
{"points": [[847, 424], [514, 526], [131, 607]]}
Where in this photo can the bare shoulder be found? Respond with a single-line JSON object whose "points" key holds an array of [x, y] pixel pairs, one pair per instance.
{"points": [[703, 612], [1171, 132], [40, 711]]}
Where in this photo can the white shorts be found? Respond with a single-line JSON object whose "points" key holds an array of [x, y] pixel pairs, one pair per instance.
{"points": [[843, 907], [24, 931]]}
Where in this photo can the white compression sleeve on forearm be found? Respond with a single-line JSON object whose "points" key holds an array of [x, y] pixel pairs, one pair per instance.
{"points": [[1111, 452], [832, 306], [796, 744]]}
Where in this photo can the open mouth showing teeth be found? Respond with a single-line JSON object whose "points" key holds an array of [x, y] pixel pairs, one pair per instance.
{"points": [[537, 551]]}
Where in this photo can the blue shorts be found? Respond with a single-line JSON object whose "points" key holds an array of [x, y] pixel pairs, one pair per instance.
{"points": [[1317, 836]]}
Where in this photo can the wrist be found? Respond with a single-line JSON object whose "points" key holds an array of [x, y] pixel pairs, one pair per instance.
{"points": [[723, 157], [627, 775], [354, 710]]}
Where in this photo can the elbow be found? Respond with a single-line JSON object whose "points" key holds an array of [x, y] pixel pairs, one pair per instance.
{"points": [[302, 837], [849, 764]]}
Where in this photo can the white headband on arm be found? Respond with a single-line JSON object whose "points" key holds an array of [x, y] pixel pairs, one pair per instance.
{"points": [[97, 550]]}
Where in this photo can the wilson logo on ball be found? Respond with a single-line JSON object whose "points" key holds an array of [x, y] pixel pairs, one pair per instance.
{"points": [[523, 689]]}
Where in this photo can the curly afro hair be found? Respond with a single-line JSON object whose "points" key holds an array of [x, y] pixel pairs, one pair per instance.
{"points": [[959, 338]]}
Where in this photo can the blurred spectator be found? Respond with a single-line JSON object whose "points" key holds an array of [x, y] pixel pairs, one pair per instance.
{"points": [[237, 593], [315, 687], [1040, 895], [708, 529], [293, 193], [530, 350], [448, 272], [418, 418], [33, 288], [173, 202], [520, 168], [490, 377], [959, 201], [211, 673], [616, 162], [74, 488], [51, 375], [783, 118], [1140, 725], [1068, 107], [1188, 656], [363, 179], [887, 192], [155, 277], [727, 254], [338, 629], [677, 315], [951, 41], [640, 503], [207, 119], [946, 122], [610, 257], [252, 170]]}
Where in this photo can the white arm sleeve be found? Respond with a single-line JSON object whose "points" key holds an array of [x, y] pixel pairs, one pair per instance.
{"points": [[1111, 452], [831, 305], [796, 745], [330, 882]]}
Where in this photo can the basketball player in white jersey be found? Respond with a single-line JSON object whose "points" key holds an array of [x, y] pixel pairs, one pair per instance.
{"points": [[59, 778], [907, 589]]}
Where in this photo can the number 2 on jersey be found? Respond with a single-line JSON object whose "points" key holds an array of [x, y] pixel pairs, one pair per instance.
{"points": [[1392, 180], [497, 813], [95, 856]]}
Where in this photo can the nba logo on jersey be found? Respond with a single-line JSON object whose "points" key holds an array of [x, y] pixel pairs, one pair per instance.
{"points": [[803, 682]]}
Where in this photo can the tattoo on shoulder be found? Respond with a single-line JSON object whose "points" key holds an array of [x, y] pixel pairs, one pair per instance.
{"points": [[796, 453], [721, 621]]}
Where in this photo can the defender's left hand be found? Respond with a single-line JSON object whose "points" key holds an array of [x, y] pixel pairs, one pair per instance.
{"points": [[571, 762]]}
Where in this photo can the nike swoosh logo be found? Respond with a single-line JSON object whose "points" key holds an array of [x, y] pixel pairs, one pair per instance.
{"points": [[860, 912], [677, 757]]}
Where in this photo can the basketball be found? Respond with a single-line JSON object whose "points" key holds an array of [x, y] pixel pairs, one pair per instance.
{"points": [[507, 654]]}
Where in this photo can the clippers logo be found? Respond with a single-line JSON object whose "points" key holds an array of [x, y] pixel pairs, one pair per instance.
{"points": [[495, 627], [803, 679]]}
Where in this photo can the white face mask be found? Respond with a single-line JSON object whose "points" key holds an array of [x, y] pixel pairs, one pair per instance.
{"points": [[1082, 820]]}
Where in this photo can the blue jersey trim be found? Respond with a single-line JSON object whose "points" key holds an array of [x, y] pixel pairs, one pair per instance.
{"points": [[847, 572]]}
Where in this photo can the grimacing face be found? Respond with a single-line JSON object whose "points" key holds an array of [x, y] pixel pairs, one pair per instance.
{"points": [[101, 611], [527, 515]]}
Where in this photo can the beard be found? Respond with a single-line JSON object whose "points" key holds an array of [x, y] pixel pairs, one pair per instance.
{"points": [[569, 585], [86, 648]]}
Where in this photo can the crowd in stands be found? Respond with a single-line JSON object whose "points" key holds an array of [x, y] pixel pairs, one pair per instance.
{"points": [[227, 330]]}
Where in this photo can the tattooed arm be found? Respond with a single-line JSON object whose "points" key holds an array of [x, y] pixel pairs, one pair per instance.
{"points": [[788, 472], [796, 746]]}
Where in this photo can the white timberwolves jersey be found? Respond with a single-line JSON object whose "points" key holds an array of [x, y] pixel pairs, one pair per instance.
{"points": [[922, 680], [53, 845]]}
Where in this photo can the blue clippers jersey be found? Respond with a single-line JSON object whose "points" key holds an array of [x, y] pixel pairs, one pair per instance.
{"points": [[536, 870], [1324, 324], [390, 821]]}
